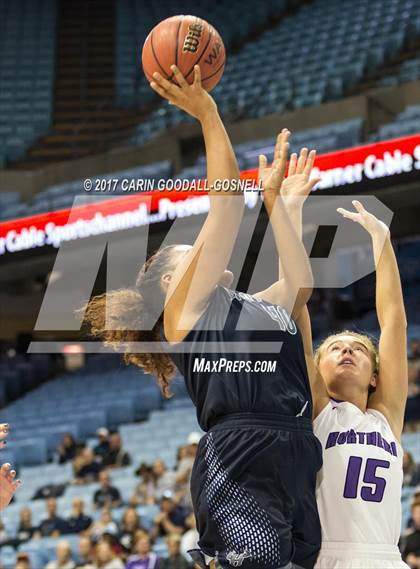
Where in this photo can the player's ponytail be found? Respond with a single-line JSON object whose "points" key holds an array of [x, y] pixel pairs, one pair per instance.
{"points": [[123, 316]]}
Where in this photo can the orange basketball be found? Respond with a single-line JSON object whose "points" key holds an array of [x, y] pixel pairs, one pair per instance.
{"points": [[184, 41]]}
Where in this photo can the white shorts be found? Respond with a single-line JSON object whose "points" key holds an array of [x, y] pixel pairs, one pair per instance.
{"points": [[341, 555]]}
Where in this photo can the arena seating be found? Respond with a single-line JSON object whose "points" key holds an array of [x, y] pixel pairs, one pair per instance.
{"points": [[405, 123], [42, 416], [408, 71], [296, 64], [145, 442], [27, 58]]}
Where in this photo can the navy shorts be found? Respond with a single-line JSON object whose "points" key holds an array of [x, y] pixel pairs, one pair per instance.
{"points": [[253, 490]]}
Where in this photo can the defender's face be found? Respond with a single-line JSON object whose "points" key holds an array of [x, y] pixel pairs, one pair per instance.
{"points": [[346, 362]]}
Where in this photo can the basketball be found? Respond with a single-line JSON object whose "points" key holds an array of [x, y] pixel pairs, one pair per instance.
{"points": [[184, 41]]}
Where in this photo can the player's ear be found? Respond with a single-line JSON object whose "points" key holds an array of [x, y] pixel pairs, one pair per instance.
{"points": [[373, 380]]}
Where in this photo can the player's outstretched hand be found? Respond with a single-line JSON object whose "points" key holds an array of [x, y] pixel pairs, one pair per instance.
{"points": [[193, 99], [299, 183], [8, 485], [367, 220], [271, 178]]}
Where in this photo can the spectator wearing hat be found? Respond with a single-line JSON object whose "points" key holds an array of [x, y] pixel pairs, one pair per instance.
{"points": [[102, 448], [171, 518], [190, 538]]}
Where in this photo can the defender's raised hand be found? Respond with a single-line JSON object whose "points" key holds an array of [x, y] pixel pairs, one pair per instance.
{"points": [[193, 99], [299, 183], [367, 220], [271, 178]]}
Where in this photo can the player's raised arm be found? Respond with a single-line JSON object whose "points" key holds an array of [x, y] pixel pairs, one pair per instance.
{"points": [[284, 199], [203, 265], [390, 395]]}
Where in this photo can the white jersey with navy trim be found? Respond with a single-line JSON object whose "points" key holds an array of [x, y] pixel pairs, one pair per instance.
{"points": [[359, 485]]}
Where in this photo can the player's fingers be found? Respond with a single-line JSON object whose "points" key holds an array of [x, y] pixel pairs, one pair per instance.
{"points": [[312, 183], [302, 161], [262, 162], [292, 164], [17, 484], [159, 90], [309, 163], [282, 138], [11, 475], [164, 83], [348, 214], [180, 79], [197, 76], [4, 469], [358, 206]]}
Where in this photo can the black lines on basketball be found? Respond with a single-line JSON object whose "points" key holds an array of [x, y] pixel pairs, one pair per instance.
{"points": [[156, 58], [216, 72], [181, 21], [203, 52]]}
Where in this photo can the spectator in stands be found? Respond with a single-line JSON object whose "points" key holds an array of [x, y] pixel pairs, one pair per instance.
{"points": [[415, 349], [102, 448], [26, 529], [78, 520], [63, 558], [175, 559], [411, 470], [52, 525], [22, 561], [144, 492], [144, 558], [410, 542], [413, 401], [164, 480], [86, 467], [184, 469], [105, 558], [171, 518], [107, 495], [190, 538], [4, 536], [104, 525], [85, 560], [67, 450], [130, 524], [116, 457]]}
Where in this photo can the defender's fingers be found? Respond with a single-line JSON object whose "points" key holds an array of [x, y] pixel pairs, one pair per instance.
{"points": [[292, 164], [302, 161], [348, 214], [262, 161], [309, 163]]}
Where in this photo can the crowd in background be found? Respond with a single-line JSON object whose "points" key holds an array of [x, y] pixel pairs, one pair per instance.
{"points": [[107, 543]]}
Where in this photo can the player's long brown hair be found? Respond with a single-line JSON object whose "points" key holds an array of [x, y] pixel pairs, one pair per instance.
{"points": [[128, 309]]}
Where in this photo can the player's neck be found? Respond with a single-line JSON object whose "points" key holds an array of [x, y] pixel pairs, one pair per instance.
{"points": [[357, 399]]}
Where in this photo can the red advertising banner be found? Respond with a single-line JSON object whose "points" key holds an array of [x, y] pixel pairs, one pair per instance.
{"points": [[342, 169]]}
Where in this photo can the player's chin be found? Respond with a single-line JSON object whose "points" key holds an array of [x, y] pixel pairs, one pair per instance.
{"points": [[226, 279]]}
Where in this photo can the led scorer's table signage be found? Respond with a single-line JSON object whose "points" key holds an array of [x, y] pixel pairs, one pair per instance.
{"points": [[381, 163]]}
